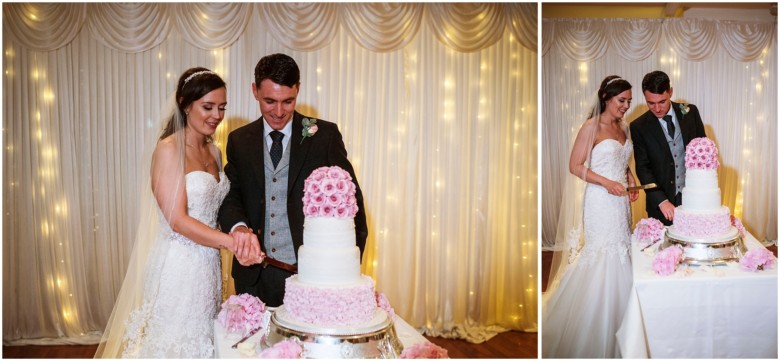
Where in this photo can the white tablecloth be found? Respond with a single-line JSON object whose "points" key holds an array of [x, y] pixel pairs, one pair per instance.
{"points": [[405, 332], [707, 312]]}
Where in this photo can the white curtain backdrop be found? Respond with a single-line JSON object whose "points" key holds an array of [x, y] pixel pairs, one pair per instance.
{"points": [[728, 69], [437, 104]]}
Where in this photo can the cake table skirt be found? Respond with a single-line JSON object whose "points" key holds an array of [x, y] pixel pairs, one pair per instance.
{"points": [[704, 312]]}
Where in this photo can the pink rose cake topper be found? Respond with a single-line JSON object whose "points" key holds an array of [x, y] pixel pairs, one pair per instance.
{"points": [[701, 153], [329, 192]]}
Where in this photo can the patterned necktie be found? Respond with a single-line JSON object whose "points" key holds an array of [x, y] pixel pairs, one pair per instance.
{"points": [[669, 125], [276, 147]]}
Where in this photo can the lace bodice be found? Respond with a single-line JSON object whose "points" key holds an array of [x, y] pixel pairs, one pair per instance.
{"points": [[609, 159], [204, 196]]}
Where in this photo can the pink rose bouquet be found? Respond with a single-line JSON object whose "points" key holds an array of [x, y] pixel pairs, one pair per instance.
{"points": [[701, 153], [283, 349], [757, 259], [648, 231], [424, 350], [738, 225], [329, 192], [253, 308], [383, 303], [666, 261]]}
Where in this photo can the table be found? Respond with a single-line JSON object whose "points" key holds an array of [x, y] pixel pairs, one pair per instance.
{"points": [[704, 312], [405, 332]]}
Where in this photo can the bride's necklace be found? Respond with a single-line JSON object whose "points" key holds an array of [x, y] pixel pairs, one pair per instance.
{"points": [[206, 164]]}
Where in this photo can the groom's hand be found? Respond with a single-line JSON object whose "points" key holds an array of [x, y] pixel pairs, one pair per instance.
{"points": [[667, 208], [247, 247]]}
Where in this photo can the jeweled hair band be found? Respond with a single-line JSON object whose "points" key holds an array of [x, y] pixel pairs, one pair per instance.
{"points": [[196, 74], [609, 82]]}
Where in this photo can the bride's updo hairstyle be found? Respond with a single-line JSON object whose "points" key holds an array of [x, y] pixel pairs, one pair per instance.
{"points": [[611, 86], [193, 85]]}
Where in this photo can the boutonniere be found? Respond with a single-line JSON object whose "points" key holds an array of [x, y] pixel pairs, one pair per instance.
{"points": [[684, 108], [309, 128]]}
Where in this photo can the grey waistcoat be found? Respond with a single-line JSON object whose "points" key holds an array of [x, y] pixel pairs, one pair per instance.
{"points": [[677, 146], [276, 234]]}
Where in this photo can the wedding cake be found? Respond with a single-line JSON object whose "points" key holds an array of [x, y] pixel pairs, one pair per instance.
{"points": [[702, 225], [702, 216], [329, 302]]}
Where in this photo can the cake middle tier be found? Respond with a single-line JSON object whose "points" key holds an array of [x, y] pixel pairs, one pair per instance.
{"points": [[701, 191], [328, 267]]}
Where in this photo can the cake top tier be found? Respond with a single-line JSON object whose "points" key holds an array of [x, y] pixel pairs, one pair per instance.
{"points": [[329, 192], [701, 153]]}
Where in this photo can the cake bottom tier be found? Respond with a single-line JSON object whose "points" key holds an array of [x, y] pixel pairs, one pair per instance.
{"points": [[329, 307], [702, 224]]}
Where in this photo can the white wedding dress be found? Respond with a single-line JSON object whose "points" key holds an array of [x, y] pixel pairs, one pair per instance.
{"points": [[583, 313], [182, 290]]}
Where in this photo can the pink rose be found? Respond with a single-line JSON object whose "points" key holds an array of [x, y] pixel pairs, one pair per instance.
{"points": [[328, 186], [342, 211], [334, 200], [313, 129], [424, 350], [665, 261], [286, 349], [327, 211], [318, 200], [757, 259]]}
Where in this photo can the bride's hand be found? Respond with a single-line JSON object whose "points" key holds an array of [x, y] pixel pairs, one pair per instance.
{"points": [[615, 188], [633, 196]]}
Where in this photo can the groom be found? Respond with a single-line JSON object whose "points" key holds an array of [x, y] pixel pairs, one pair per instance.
{"points": [[267, 163], [660, 136]]}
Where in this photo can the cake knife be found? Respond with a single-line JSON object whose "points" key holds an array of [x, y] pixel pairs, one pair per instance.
{"points": [[251, 333], [268, 261], [642, 187]]}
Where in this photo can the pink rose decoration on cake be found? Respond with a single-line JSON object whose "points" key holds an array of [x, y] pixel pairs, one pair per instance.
{"points": [[383, 303], [329, 192], [701, 153], [648, 231], [424, 350], [284, 349], [757, 259], [666, 261], [738, 225], [254, 309]]}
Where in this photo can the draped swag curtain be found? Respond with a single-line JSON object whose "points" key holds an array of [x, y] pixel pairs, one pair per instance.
{"points": [[436, 102], [728, 69]]}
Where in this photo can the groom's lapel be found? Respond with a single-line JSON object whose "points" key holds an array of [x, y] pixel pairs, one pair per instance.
{"points": [[685, 128], [298, 151], [255, 146], [657, 132]]}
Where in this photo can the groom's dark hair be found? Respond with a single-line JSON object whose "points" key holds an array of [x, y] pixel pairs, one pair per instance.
{"points": [[656, 82], [279, 68]]}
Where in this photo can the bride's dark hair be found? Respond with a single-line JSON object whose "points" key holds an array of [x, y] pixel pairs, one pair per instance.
{"points": [[193, 85], [611, 86]]}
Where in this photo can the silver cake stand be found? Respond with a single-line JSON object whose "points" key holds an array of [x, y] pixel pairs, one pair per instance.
{"points": [[728, 248], [378, 340]]}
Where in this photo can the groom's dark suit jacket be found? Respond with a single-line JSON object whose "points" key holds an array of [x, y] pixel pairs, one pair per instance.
{"points": [[654, 161], [245, 202]]}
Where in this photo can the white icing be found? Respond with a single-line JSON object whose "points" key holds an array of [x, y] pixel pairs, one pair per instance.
{"points": [[328, 256], [721, 209], [701, 191], [322, 266], [328, 232]]}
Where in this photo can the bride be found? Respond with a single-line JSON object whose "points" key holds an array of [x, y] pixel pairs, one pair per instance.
{"points": [[591, 277], [172, 289]]}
